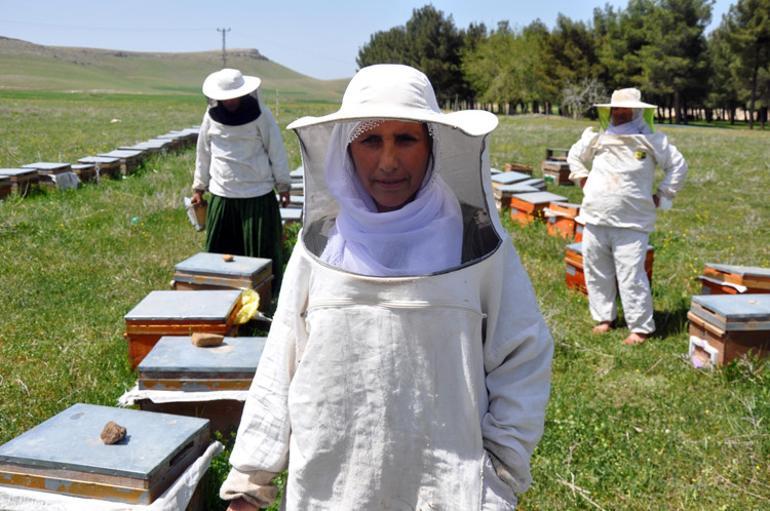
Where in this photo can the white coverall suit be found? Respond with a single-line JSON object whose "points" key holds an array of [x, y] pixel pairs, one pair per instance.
{"points": [[619, 214], [397, 393]]}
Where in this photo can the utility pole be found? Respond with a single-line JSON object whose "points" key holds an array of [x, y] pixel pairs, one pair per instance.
{"points": [[224, 55]]}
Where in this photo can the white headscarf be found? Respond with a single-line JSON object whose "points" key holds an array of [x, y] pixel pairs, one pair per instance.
{"points": [[422, 237], [635, 126]]}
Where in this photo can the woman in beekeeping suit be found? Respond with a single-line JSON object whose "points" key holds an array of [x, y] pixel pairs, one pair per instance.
{"points": [[619, 207], [408, 366]]}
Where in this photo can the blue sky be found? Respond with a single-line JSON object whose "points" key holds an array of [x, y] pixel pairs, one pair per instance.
{"points": [[319, 39]]}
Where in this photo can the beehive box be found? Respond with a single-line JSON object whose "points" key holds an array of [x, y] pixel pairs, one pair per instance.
{"points": [[176, 365], [176, 140], [579, 228], [296, 201], [503, 193], [528, 207], [508, 178], [731, 279], [556, 172], [47, 169], [207, 270], [6, 187], [129, 159], [725, 327], [575, 274], [518, 167], [557, 154], [66, 455], [22, 180], [86, 172], [149, 147], [107, 166], [535, 182], [560, 218], [298, 175], [291, 215], [297, 188], [179, 313]]}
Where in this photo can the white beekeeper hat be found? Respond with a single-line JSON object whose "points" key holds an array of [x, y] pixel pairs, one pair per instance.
{"points": [[626, 98], [395, 91], [228, 84]]}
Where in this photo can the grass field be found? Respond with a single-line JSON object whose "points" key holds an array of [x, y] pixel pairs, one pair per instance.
{"points": [[627, 428]]}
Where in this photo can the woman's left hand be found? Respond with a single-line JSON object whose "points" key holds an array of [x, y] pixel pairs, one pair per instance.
{"points": [[284, 199]]}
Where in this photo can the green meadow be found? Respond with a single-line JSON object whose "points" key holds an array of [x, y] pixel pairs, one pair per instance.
{"points": [[632, 428]]}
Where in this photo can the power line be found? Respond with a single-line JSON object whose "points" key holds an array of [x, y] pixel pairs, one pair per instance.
{"points": [[224, 54]]}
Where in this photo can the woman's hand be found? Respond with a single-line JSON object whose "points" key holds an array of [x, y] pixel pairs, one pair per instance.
{"points": [[284, 199], [240, 505], [197, 197], [582, 182]]}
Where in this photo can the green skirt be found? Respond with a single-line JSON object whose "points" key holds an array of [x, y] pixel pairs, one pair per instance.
{"points": [[250, 227]]}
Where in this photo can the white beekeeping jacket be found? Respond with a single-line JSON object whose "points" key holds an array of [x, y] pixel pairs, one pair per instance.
{"points": [[416, 392], [619, 189]]}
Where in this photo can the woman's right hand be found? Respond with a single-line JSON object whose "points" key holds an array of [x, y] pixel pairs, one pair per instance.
{"points": [[241, 505], [197, 198]]}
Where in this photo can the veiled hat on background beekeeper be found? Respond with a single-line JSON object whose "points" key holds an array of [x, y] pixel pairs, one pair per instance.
{"points": [[644, 113]]}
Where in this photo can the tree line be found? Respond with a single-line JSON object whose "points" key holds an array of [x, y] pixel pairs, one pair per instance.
{"points": [[659, 46]]}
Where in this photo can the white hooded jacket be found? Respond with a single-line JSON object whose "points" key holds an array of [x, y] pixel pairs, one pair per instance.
{"points": [[400, 393], [619, 189], [241, 161]]}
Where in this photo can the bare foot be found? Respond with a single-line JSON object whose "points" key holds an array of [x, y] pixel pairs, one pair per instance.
{"points": [[603, 327], [635, 338]]}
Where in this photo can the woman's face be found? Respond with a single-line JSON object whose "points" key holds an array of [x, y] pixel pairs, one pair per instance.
{"points": [[621, 115], [231, 104], [391, 161]]}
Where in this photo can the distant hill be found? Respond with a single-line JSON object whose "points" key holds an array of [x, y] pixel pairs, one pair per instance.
{"points": [[29, 66]]}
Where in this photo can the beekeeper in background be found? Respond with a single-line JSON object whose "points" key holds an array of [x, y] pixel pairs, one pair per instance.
{"points": [[241, 161], [408, 365], [615, 167]]}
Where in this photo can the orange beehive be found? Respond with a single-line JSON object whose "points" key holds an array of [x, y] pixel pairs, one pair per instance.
{"points": [[176, 313], [719, 279], [528, 207], [561, 219]]}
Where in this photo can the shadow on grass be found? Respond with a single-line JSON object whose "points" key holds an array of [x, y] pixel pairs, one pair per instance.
{"points": [[670, 322]]}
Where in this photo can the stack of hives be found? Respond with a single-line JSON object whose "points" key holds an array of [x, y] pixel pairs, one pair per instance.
{"points": [[555, 167]]}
